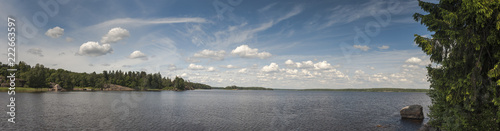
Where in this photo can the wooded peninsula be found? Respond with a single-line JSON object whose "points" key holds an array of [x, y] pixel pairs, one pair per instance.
{"points": [[41, 77]]}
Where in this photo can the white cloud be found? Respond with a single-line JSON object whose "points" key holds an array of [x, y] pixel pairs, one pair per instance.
{"points": [[349, 13], [35, 51], [210, 69], [267, 7], [244, 70], [324, 65], [142, 22], [114, 35], [418, 61], [214, 55], [184, 74], [273, 67], [195, 67], [228, 66], [295, 11], [55, 32], [413, 60], [246, 52], [305, 64], [359, 72], [291, 71], [362, 47], [94, 49], [138, 55], [240, 34], [383, 47], [289, 62]]}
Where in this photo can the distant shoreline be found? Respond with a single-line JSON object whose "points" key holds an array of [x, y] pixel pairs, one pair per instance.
{"points": [[371, 90], [22, 89]]}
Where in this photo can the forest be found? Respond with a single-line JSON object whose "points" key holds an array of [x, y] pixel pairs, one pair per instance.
{"points": [[39, 76]]}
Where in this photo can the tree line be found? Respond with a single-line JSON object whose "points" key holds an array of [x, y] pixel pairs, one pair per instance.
{"points": [[39, 76]]}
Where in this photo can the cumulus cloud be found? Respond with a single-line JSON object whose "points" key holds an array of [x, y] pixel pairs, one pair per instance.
{"points": [[413, 60], [273, 67], [246, 52], [291, 71], [289, 62], [210, 69], [417, 61], [105, 64], [383, 47], [195, 67], [305, 64], [359, 72], [94, 49], [55, 32], [322, 65], [228, 66], [114, 35], [244, 70], [138, 55], [362, 47], [35, 51], [214, 55]]}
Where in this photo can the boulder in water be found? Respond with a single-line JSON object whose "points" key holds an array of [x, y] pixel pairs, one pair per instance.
{"points": [[412, 112]]}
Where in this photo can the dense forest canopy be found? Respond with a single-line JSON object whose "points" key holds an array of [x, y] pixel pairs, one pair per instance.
{"points": [[39, 76], [465, 87]]}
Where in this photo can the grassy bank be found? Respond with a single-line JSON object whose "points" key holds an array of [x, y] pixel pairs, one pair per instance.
{"points": [[372, 90], [23, 89]]}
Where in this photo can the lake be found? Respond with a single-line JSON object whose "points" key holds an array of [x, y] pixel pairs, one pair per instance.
{"points": [[212, 110]]}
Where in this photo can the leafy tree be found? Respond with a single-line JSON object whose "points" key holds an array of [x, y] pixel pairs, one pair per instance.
{"points": [[167, 82], [179, 83], [465, 89], [36, 77]]}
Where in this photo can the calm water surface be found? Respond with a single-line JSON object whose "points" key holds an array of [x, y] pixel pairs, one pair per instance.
{"points": [[212, 110]]}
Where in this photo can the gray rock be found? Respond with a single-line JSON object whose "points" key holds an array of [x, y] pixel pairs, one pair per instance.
{"points": [[412, 112]]}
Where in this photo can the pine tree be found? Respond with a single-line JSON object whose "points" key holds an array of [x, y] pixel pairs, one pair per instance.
{"points": [[465, 90]]}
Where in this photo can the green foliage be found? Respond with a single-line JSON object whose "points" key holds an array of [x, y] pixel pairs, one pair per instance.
{"points": [[466, 44], [40, 77], [179, 83]]}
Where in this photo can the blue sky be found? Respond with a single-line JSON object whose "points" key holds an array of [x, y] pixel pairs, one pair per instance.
{"points": [[272, 43]]}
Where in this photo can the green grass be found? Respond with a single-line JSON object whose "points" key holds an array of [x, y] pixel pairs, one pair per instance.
{"points": [[372, 90], [23, 89]]}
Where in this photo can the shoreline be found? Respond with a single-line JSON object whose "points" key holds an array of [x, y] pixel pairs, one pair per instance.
{"points": [[23, 89]]}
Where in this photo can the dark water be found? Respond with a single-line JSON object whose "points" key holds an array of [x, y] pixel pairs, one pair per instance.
{"points": [[212, 110]]}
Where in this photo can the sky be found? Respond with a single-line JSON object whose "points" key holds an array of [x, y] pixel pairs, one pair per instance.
{"points": [[287, 44]]}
